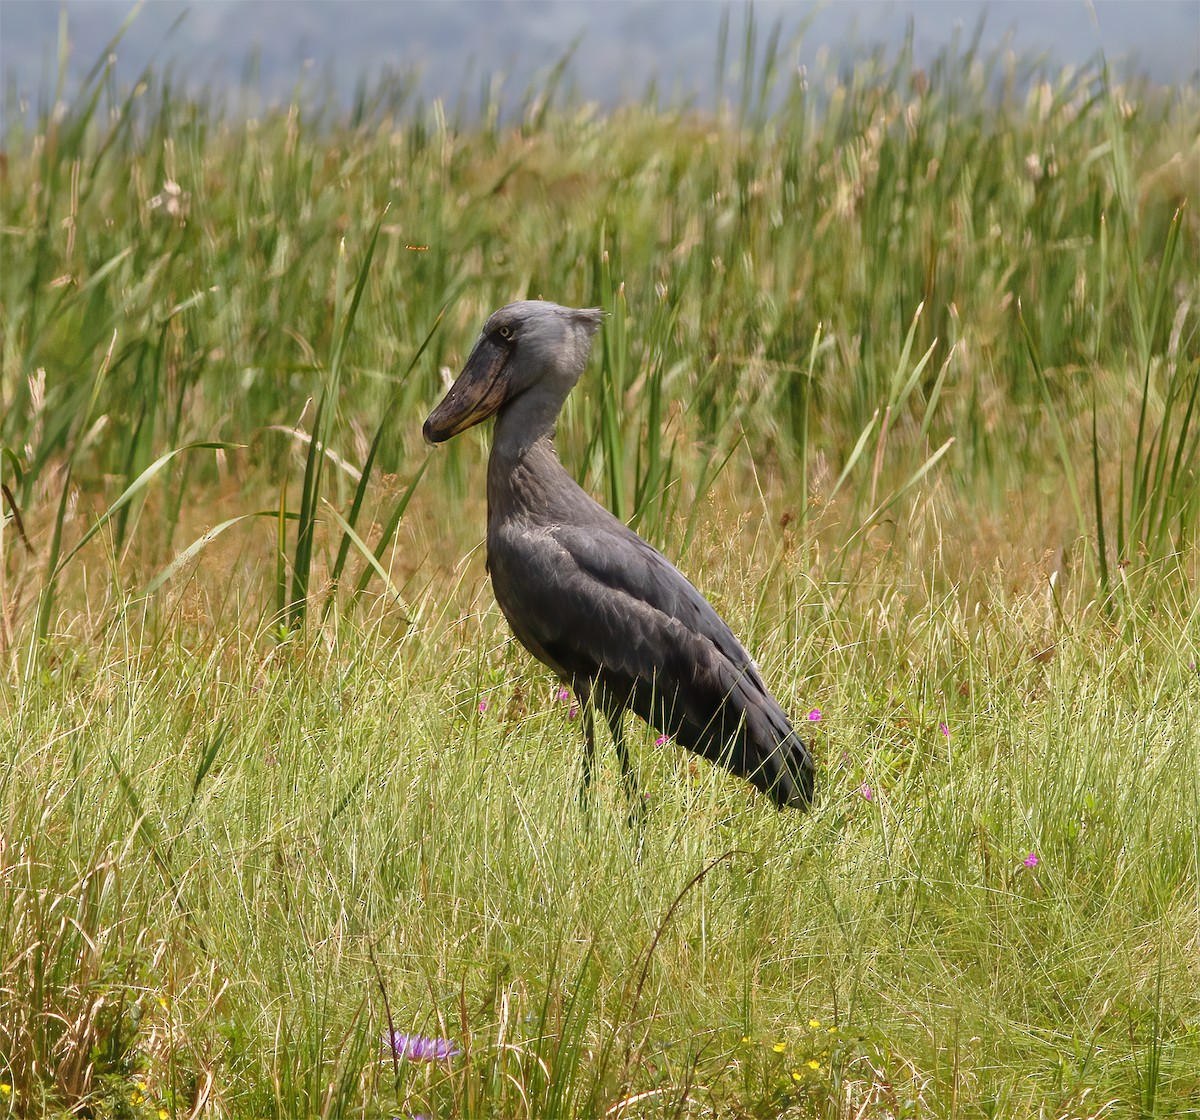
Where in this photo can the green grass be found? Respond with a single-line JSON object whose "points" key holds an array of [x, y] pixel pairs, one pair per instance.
{"points": [[902, 373]]}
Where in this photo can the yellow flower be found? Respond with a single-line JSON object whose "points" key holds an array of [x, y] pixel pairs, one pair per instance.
{"points": [[814, 1023], [779, 1047], [135, 1097], [5, 1089], [797, 1075], [745, 1039], [813, 1063], [162, 1002], [163, 1114], [833, 1030]]}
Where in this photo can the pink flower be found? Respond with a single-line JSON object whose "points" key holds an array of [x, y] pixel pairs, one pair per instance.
{"points": [[573, 711], [662, 739], [814, 715], [867, 792], [563, 694], [482, 706], [1031, 860], [944, 729]]}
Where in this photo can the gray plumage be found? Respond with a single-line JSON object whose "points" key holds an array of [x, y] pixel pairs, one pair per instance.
{"points": [[583, 592]]}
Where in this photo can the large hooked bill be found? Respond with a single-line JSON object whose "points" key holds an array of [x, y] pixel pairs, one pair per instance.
{"points": [[477, 393]]}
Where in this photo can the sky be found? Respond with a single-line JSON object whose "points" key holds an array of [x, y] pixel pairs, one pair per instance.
{"points": [[454, 47]]}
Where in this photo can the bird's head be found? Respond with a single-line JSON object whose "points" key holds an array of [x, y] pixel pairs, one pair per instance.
{"points": [[523, 345]]}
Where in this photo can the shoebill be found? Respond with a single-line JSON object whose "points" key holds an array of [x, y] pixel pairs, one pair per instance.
{"points": [[609, 614]]}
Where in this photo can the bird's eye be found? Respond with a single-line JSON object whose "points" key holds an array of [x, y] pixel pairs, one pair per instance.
{"points": [[505, 332]]}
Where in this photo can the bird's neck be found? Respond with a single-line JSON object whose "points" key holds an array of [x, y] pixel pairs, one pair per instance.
{"points": [[523, 469]]}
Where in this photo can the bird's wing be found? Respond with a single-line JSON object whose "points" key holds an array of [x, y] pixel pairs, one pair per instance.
{"points": [[600, 599], [620, 563]]}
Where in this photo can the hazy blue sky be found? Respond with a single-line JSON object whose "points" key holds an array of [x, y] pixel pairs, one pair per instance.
{"points": [[453, 44]]}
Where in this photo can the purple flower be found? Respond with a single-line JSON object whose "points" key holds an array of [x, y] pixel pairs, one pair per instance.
{"points": [[563, 694], [814, 715], [482, 706], [1031, 860], [662, 739], [418, 1048], [867, 792], [573, 711], [944, 729]]}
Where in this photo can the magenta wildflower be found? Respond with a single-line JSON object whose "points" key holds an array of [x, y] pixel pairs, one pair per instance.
{"points": [[418, 1048], [563, 694], [482, 706], [573, 711], [814, 715], [662, 739], [867, 792], [1031, 860], [944, 729]]}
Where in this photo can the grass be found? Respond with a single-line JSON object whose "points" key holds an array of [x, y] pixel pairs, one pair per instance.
{"points": [[900, 366]]}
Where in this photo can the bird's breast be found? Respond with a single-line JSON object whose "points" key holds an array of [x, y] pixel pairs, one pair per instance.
{"points": [[520, 557]]}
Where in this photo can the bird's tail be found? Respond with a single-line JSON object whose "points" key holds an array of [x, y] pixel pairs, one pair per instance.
{"points": [[774, 759], [787, 773], [752, 737]]}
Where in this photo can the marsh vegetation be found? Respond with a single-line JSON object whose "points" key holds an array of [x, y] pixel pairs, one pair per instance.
{"points": [[900, 368]]}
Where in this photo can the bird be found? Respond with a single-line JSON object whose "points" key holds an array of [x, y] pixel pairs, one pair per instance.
{"points": [[609, 614]]}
